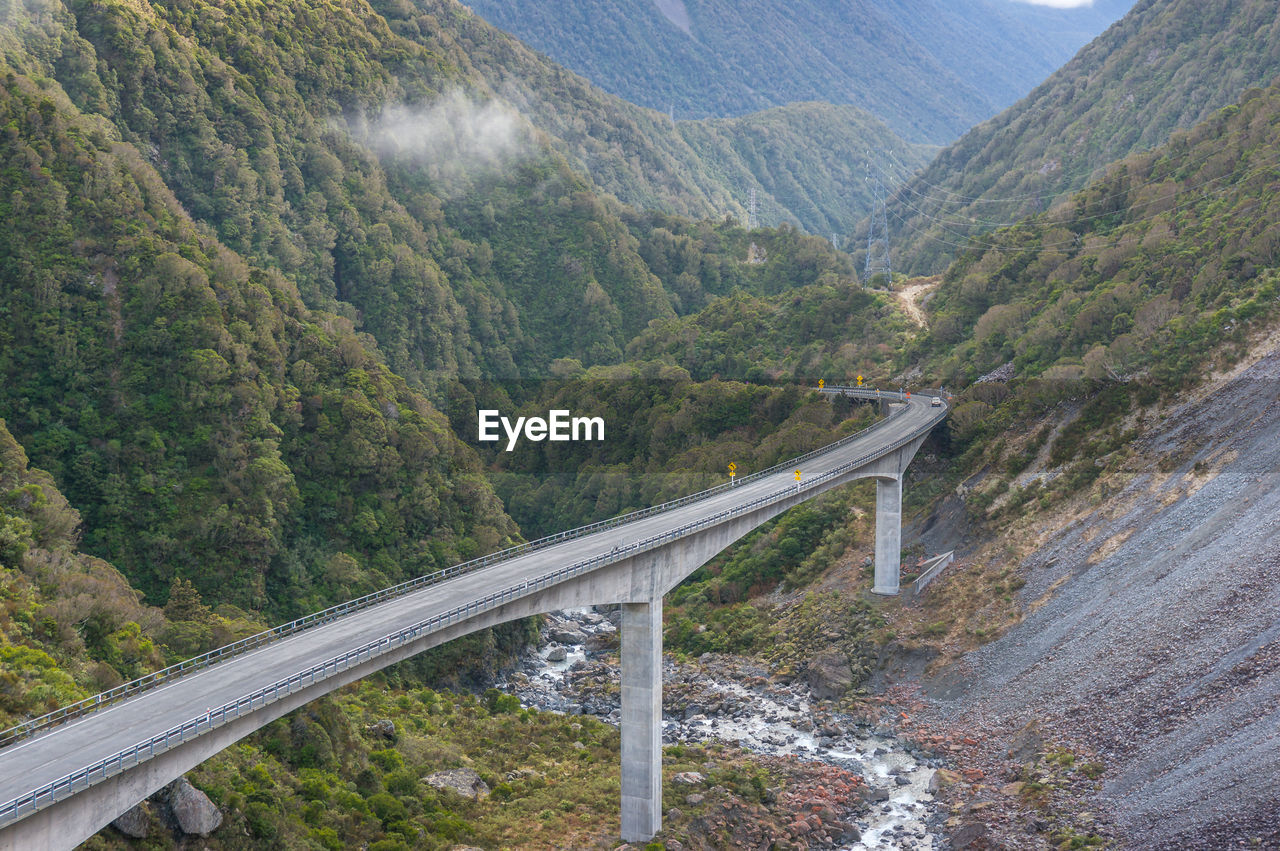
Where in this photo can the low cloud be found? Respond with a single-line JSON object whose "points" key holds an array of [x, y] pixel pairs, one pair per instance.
{"points": [[455, 138]]}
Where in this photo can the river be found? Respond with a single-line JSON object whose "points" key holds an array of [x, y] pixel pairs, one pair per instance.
{"points": [[736, 702]]}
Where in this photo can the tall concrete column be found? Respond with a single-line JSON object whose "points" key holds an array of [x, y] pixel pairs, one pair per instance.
{"points": [[888, 535], [641, 720]]}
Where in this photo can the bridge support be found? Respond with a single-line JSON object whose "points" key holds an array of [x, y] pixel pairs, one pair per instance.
{"points": [[641, 720], [888, 534]]}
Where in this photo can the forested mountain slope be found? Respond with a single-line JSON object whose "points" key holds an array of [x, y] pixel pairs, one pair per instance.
{"points": [[637, 155], [810, 160], [347, 150], [929, 69], [242, 244], [1163, 257], [205, 422], [1167, 64]]}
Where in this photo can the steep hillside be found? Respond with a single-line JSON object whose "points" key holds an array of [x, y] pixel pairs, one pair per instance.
{"points": [[1164, 257], [1106, 646], [1148, 641], [834, 330], [1165, 65], [361, 186], [205, 422], [71, 625], [635, 153], [926, 68], [810, 160]]}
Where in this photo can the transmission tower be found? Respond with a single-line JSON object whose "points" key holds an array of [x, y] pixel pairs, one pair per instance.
{"points": [[878, 235]]}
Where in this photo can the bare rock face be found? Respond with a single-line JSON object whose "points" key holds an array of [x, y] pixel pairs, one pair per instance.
{"points": [[192, 809], [134, 823], [462, 781], [828, 675]]}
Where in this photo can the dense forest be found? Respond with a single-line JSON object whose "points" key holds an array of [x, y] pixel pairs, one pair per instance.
{"points": [[1151, 280], [1166, 65], [252, 295]]}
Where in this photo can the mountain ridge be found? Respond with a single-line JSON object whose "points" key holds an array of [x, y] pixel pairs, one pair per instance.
{"points": [[1167, 64], [733, 58]]}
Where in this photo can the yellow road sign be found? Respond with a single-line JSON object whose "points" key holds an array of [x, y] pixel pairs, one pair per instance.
{"points": [[859, 380], [822, 382], [732, 466], [797, 475]]}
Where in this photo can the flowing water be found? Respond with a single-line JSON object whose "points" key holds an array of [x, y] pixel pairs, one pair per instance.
{"points": [[761, 717]]}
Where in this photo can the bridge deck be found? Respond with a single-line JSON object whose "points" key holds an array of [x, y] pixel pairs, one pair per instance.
{"points": [[30, 764]]}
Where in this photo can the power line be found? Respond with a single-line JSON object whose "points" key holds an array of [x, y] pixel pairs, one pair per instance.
{"points": [[878, 262]]}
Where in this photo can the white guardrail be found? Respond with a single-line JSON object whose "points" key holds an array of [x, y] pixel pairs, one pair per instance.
{"points": [[76, 781]]}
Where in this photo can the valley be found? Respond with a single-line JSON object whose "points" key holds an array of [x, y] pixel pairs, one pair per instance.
{"points": [[269, 271]]}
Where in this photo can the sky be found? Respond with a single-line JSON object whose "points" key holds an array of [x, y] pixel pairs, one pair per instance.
{"points": [[1059, 4]]}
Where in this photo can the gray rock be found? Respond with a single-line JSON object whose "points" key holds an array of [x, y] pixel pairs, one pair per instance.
{"points": [[192, 809], [828, 675], [568, 636], [601, 641], [462, 781], [875, 794], [971, 835], [849, 833], [557, 654], [903, 781], [689, 778], [134, 823], [694, 799]]}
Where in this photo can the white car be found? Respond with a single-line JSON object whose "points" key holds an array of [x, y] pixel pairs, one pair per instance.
{"points": [[936, 403]]}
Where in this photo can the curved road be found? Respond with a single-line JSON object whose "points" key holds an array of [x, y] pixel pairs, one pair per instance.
{"points": [[30, 764]]}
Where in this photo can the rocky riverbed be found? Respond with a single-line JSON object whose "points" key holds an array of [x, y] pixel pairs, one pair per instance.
{"points": [[574, 670]]}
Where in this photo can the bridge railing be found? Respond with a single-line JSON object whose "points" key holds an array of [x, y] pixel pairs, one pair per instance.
{"points": [[124, 759], [196, 663]]}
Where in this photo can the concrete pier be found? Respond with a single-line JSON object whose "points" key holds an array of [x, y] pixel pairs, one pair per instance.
{"points": [[888, 534], [115, 756], [641, 720]]}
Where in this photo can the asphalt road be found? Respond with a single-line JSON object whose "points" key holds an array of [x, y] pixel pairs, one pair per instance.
{"points": [[32, 763]]}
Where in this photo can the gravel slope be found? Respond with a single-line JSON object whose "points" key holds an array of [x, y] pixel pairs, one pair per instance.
{"points": [[1159, 645]]}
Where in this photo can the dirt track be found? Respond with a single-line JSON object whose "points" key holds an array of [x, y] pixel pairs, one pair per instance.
{"points": [[1158, 645]]}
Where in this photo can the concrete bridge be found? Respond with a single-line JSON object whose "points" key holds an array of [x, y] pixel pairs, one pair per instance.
{"points": [[65, 776]]}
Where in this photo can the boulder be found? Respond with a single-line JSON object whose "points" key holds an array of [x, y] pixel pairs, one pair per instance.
{"points": [[689, 778], [970, 835], [848, 833], [462, 781], [386, 728], [557, 654], [601, 641], [134, 823], [568, 636], [1028, 744], [192, 809], [828, 675]]}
